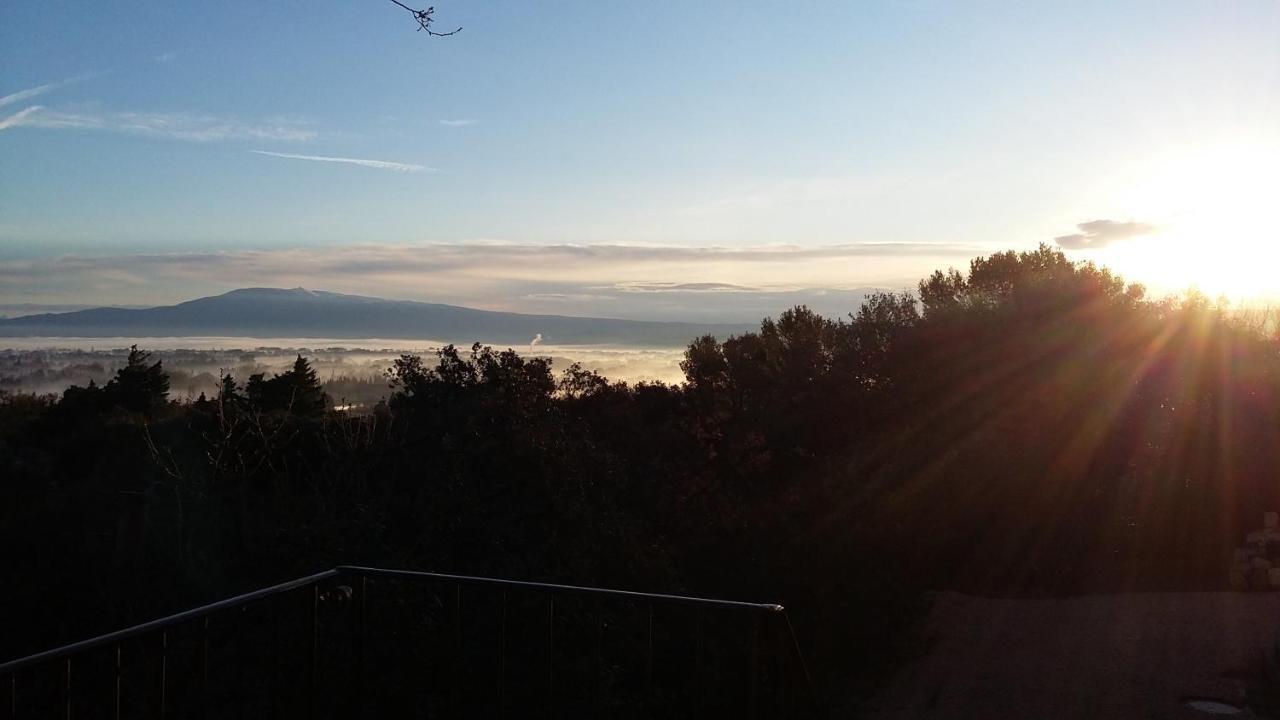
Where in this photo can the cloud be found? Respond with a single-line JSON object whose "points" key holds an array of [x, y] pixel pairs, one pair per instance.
{"points": [[175, 126], [17, 118], [1101, 233], [705, 283], [164, 57], [620, 267], [376, 164], [26, 94], [684, 287], [19, 309], [31, 92], [567, 297], [460, 122]]}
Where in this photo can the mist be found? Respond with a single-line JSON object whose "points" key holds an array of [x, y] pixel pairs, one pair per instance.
{"points": [[353, 373]]}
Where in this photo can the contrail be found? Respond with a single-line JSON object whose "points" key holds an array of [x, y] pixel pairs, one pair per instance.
{"points": [[377, 164], [16, 118]]}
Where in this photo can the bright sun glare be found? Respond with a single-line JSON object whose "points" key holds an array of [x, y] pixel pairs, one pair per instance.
{"points": [[1217, 212]]}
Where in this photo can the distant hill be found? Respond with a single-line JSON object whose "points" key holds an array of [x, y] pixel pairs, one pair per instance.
{"points": [[273, 312]]}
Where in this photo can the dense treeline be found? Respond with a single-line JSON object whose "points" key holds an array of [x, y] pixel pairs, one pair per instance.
{"points": [[1030, 426]]}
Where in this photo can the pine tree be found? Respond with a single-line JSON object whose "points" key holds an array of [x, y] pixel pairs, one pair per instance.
{"points": [[139, 386], [228, 392], [296, 391], [302, 390]]}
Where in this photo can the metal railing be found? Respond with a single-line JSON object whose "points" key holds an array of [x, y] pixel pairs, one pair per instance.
{"points": [[370, 642]]}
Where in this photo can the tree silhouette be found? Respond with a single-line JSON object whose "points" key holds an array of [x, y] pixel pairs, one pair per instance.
{"points": [[139, 386], [306, 395], [1025, 425], [296, 391], [424, 18]]}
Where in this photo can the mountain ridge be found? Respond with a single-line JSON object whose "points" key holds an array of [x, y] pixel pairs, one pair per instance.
{"points": [[299, 312]]}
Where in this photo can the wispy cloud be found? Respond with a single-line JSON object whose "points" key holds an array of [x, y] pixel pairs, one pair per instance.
{"points": [[10, 310], [175, 126], [706, 283], [29, 93], [458, 122], [376, 164], [17, 118], [635, 266], [1101, 233], [38, 90], [700, 287]]}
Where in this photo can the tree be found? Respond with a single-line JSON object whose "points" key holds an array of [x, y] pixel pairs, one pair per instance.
{"points": [[296, 391], [139, 386], [229, 394], [302, 386]]}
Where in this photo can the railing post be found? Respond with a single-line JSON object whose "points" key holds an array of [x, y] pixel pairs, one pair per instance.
{"points": [[810, 687], [164, 672], [313, 649], [699, 642], [752, 711], [244, 609], [457, 651], [502, 657], [648, 663], [551, 656], [783, 682], [117, 691], [67, 687], [204, 666], [358, 690], [598, 690]]}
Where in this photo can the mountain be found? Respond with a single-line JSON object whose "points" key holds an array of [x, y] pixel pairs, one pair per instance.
{"points": [[273, 312]]}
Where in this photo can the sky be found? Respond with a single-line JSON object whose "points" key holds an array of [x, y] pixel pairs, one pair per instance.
{"points": [[669, 160]]}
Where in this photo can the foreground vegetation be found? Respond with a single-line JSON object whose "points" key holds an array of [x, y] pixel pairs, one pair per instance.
{"points": [[1032, 426]]}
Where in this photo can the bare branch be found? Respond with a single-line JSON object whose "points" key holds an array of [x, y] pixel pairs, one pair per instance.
{"points": [[424, 18]]}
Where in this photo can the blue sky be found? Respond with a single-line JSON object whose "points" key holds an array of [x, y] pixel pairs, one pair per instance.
{"points": [[165, 157]]}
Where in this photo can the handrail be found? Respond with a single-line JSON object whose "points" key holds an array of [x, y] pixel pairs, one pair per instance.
{"points": [[13, 666], [576, 589], [165, 622]]}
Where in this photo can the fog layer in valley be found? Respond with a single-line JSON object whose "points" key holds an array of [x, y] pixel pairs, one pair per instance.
{"points": [[353, 372]]}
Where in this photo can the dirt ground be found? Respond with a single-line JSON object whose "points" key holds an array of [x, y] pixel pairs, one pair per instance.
{"points": [[1101, 656]]}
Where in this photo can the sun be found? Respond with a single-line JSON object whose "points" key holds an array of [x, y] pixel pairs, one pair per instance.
{"points": [[1217, 213]]}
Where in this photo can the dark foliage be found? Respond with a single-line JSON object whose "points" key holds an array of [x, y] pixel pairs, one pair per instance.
{"points": [[296, 392], [1032, 426]]}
